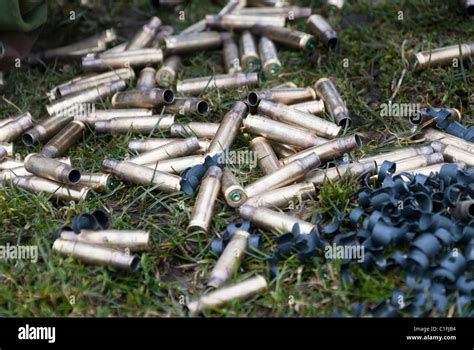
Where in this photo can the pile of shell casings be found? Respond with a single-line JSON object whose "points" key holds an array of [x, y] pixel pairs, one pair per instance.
{"points": [[295, 131], [90, 240]]}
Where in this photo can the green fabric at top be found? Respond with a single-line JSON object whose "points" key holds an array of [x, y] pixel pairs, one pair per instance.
{"points": [[22, 15]]}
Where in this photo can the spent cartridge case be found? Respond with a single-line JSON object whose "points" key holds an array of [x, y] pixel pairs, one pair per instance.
{"points": [[142, 175], [290, 12], [228, 128], [267, 51], [418, 162], [205, 201], [282, 197], [399, 154], [95, 80], [230, 54], [138, 125], [133, 240], [52, 169], [167, 73], [285, 96], [285, 36], [453, 153], [106, 114], [283, 176], [335, 5], [198, 129], [266, 157], [8, 120], [233, 22], [13, 129], [312, 107], [249, 57], [199, 26], [229, 260], [99, 182], [141, 146], [469, 6], [232, 190], [96, 43], [464, 145], [195, 86], [300, 119], [177, 165], [443, 56], [170, 150], [286, 85], [463, 210], [188, 105], [281, 132], [97, 255], [67, 105], [333, 102], [282, 150], [8, 147], [8, 174], [10, 164], [431, 134], [272, 220], [125, 59], [142, 99], [64, 139], [266, 3], [145, 35], [146, 79], [117, 48], [332, 149], [57, 190], [221, 296], [335, 173], [192, 42], [322, 30]]}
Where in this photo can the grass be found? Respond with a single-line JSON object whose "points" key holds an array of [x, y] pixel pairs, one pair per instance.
{"points": [[176, 267]]}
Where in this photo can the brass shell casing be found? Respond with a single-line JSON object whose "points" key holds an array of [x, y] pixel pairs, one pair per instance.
{"points": [[283, 176], [201, 216], [199, 129], [137, 125], [280, 132], [310, 122], [97, 255], [179, 148], [142, 98], [16, 127], [195, 86], [273, 220], [64, 139], [52, 169], [266, 157], [228, 128], [234, 193], [142, 175], [285, 36], [281, 197], [133, 240], [229, 260], [333, 102], [221, 296]]}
